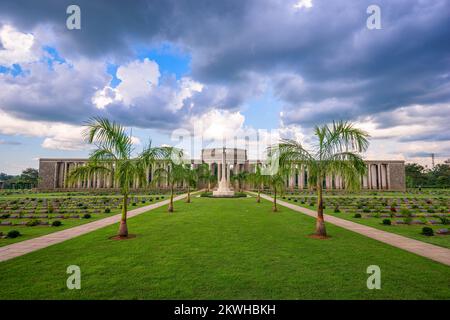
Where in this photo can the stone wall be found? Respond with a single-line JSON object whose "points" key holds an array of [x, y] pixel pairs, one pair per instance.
{"points": [[46, 175], [397, 176]]}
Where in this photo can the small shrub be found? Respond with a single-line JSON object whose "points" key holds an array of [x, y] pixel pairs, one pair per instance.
{"points": [[107, 210], [336, 209], [405, 211], [86, 216], [134, 204], [13, 234], [366, 210], [427, 231], [357, 215], [56, 223], [33, 223], [444, 220], [5, 215], [387, 222]]}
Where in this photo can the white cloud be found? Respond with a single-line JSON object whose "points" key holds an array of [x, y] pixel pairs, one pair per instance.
{"points": [[17, 47], [218, 124], [105, 96], [187, 87], [135, 140], [138, 79], [307, 4], [57, 135]]}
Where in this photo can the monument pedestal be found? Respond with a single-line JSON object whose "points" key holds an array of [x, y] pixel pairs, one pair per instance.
{"points": [[223, 190]]}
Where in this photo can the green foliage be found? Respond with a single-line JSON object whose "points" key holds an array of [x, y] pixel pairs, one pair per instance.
{"points": [[417, 175], [357, 215], [427, 231], [387, 222], [56, 223], [33, 223], [13, 234], [86, 216]]}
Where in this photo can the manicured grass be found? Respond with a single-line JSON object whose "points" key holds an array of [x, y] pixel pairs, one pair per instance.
{"points": [[40, 230], [413, 231], [223, 249]]}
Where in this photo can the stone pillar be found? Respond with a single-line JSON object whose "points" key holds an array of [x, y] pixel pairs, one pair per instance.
{"points": [[364, 182], [373, 176], [301, 178], [369, 176], [380, 183], [55, 177], [388, 177], [292, 181], [328, 182]]}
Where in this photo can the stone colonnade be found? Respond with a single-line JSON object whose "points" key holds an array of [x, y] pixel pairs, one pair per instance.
{"points": [[377, 178]]}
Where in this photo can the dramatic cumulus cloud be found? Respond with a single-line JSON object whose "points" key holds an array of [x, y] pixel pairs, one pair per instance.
{"points": [[17, 47], [316, 56]]}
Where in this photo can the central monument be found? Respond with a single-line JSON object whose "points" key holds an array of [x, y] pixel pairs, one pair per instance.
{"points": [[224, 189]]}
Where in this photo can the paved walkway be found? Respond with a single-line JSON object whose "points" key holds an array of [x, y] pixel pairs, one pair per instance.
{"points": [[423, 249], [24, 247]]}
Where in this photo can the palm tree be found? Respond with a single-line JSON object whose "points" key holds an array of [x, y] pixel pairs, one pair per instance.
{"points": [[172, 170], [277, 182], [257, 179], [190, 178], [204, 174], [240, 178], [113, 156], [337, 152]]}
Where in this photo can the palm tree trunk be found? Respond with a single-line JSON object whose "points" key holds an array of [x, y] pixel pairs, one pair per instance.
{"points": [[258, 197], [123, 229], [320, 223], [188, 199], [171, 199], [209, 186], [274, 208]]}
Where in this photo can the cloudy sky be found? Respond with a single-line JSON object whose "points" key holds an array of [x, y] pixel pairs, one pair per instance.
{"points": [[256, 68]]}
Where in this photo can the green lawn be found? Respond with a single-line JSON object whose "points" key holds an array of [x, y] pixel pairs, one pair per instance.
{"points": [[40, 230], [410, 231], [413, 231], [223, 249]]}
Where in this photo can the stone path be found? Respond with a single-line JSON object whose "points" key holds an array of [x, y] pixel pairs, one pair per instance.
{"points": [[420, 248], [21, 248]]}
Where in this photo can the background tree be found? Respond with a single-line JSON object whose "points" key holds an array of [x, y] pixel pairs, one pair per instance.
{"points": [[241, 177], [257, 180], [277, 183], [191, 179], [172, 170], [113, 155], [337, 151], [30, 176], [204, 175]]}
